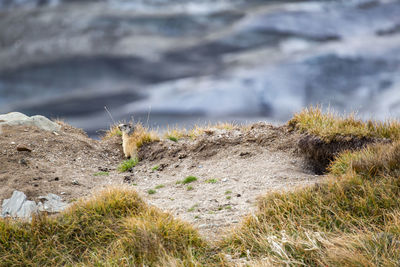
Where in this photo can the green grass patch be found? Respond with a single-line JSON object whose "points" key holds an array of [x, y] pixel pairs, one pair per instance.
{"points": [[189, 188], [101, 174], [189, 179], [128, 164], [212, 181], [173, 138], [155, 168], [159, 186], [151, 191], [228, 197], [193, 207], [227, 192]]}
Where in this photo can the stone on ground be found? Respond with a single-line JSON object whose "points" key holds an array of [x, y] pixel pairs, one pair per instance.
{"points": [[19, 207], [17, 118]]}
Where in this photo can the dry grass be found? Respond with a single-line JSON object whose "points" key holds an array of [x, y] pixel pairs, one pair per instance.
{"points": [[330, 126], [177, 133], [210, 128], [113, 131], [143, 135], [350, 219], [174, 134], [115, 228]]}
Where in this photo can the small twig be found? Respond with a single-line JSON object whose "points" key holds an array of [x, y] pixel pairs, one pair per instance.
{"points": [[148, 116], [110, 115]]}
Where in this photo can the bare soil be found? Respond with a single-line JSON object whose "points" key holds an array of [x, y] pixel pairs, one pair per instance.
{"points": [[232, 168]]}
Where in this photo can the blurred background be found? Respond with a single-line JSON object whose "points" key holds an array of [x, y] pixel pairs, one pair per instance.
{"points": [[186, 62]]}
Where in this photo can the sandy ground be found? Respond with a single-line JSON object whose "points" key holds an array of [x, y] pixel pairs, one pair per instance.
{"points": [[242, 164]]}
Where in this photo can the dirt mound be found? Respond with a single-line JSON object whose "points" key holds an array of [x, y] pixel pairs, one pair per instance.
{"points": [[232, 167], [213, 140], [62, 163]]}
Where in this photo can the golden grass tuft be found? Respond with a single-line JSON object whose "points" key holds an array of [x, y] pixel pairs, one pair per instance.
{"points": [[174, 134], [330, 126], [114, 228], [113, 131], [144, 135]]}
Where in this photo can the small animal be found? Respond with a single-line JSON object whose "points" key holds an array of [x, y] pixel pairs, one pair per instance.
{"points": [[128, 140]]}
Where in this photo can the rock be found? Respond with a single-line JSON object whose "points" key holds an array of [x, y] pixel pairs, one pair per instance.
{"points": [[51, 203], [128, 179], [17, 118], [245, 154], [18, 207], [13, 116], [26, 210], [103, 169], [23, 148], [75, 182]]}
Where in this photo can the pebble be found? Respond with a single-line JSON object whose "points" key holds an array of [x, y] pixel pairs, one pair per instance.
{"points": [[23, 148], [75, 182], [224, 180]]}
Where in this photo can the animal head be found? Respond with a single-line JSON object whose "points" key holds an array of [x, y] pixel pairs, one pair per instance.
{"points": [[126, 128]]}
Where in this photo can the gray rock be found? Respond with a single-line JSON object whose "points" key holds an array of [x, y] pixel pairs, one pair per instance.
{"points": [[26, 210], [52, 203], [13, 116], [17, 118], [18, 207]]}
